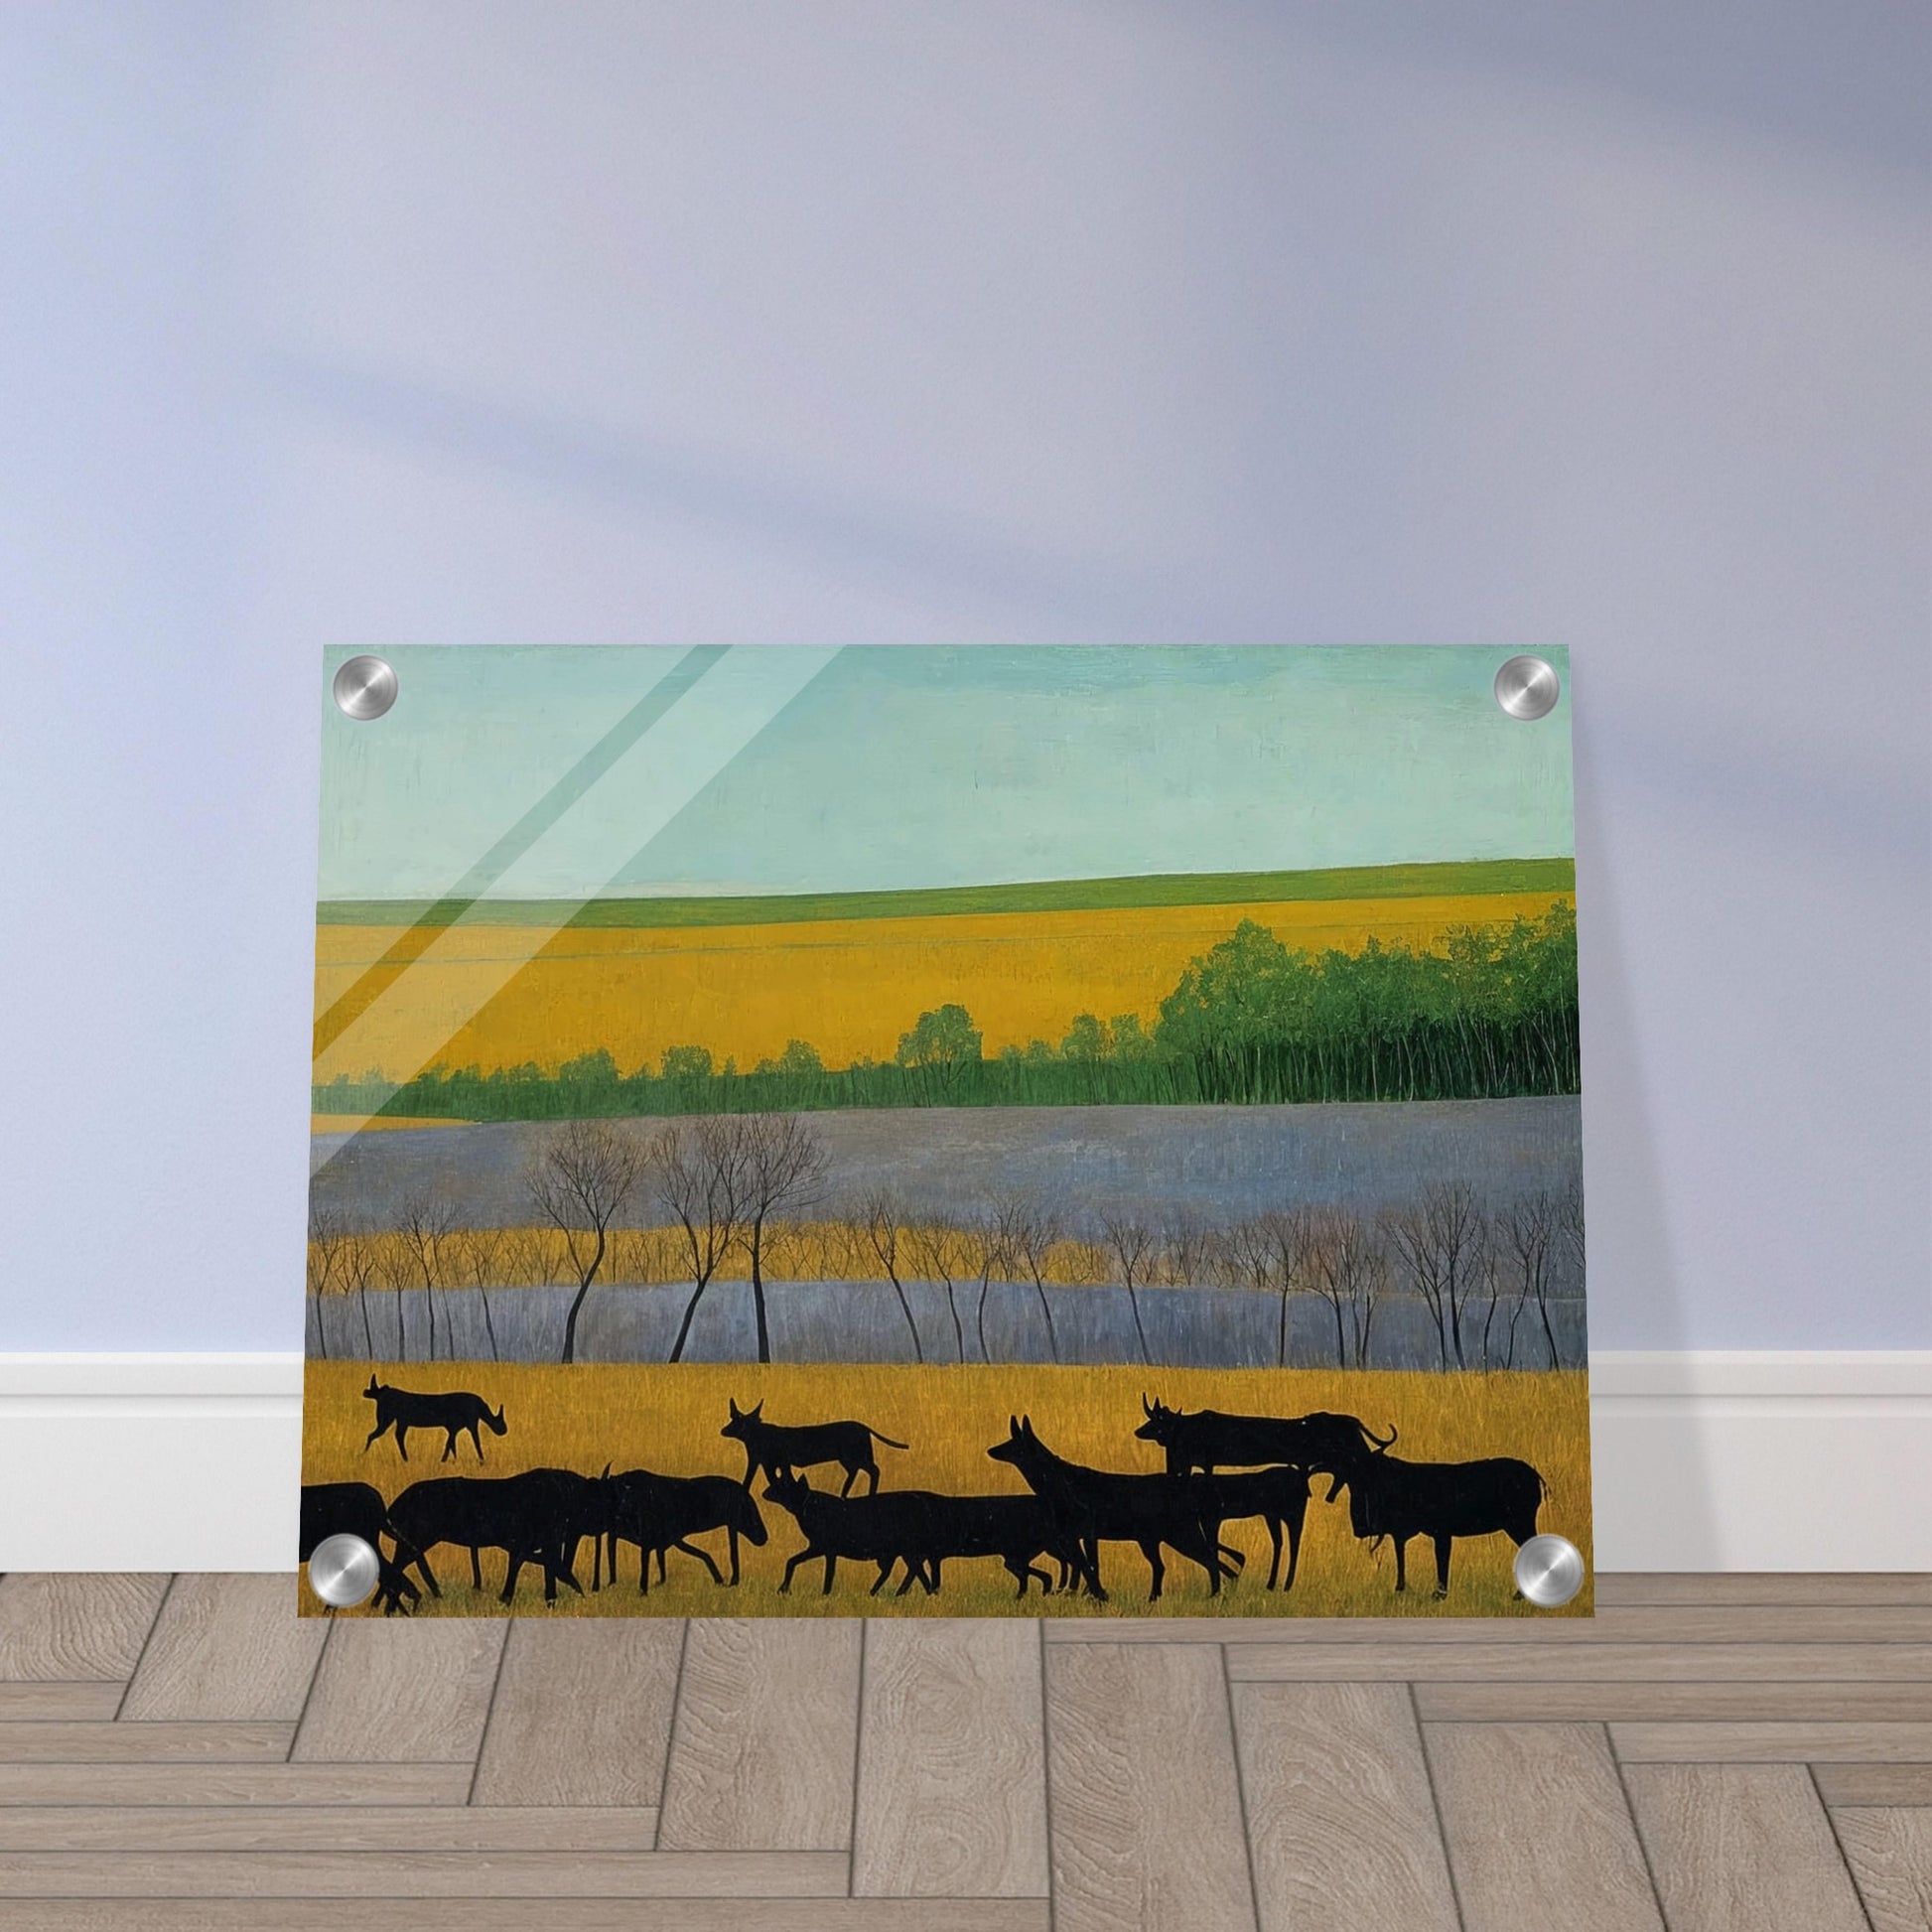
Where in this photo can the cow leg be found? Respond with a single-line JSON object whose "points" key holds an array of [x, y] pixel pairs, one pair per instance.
{"points": [[831, 1567], [1152, 1552], [476, 1442], [380, 1429], [1443, 1547], [784, 1588], [702, 1556], [421, 1562], [475, 1569], [851, 1477], [509, 1580], [871, 1477], [448, 1445], [884, 1571], [1294, 1549], [732, 1538], [1401, 1573], [402, 1440], [1273, 1549]]}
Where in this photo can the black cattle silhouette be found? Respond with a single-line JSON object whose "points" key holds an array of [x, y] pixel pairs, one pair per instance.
{"points": [[660, 1513], [1280, 1497], [355, 1509], [1206, 1440], [923, 1529], [1440, 1500], [864, 1529], [1095, 1506], [780, 1448], [403, 1410], [538, 1517]]}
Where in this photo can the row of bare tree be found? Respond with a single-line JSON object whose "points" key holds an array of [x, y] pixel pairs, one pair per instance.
{"points": [[747, 1191]]}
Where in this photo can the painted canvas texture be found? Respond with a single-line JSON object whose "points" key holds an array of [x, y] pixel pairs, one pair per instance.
{"points": [[1044, 1131]]}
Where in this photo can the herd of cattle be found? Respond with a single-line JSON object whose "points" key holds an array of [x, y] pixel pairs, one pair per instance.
{"points": [[1220, 1468]]}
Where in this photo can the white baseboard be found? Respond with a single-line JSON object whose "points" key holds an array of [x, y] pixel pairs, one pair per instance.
{"points": [[1703, 1460]]}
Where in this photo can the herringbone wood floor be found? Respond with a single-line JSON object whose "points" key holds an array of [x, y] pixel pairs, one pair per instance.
{"points": [[1709, 1754]]}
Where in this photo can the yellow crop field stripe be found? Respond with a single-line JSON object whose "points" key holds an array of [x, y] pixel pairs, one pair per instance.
{"points": [[668, 1418], [850, 987]]}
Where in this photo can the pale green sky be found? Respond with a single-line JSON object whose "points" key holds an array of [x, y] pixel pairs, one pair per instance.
{"points": [[565, 772]]}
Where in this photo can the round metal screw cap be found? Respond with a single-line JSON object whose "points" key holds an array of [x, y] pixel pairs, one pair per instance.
{"points": [[1549, 1570], [1526, 688], [342, 1570], [364, 688]]}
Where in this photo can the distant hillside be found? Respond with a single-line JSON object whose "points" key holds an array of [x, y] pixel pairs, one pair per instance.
{"points": [[1456, 880]]}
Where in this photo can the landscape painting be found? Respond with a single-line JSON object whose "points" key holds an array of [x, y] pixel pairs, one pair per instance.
{"points": [[1037, 1131]]}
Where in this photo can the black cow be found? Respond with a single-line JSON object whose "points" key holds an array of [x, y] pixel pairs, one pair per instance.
{"points": [[537, 1517], [1208, 1439], [1440, 1500], [1095, 1506], [660, 1513], [355, 1509], [455, 1414], [1280, 1497], [782, 1449]]}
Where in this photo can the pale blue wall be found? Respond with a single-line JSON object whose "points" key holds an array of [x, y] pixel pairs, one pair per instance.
{"points": [[1045, 322]]}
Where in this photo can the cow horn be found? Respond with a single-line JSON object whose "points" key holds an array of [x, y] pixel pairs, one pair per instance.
{"points": [[1377, 1439], [1145, 1409]]}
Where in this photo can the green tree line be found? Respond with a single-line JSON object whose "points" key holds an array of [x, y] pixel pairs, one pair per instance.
{"points": [[1489, 1014]]}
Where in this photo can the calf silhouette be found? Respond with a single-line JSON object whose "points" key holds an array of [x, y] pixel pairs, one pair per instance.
{"points": [[782, 1449], [862, 1529], [660, 1513], [355, 1509], [538, 1517], [1206, 1440], [403, 1410], [1440, 1500], [923, 1529], [1095, 1506]]}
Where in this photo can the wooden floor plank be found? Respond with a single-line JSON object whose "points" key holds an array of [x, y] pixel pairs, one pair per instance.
{"points": [[1873, 1784], [1618, 1589], [1538, 1830], [1340, 1819], [1773, 1742], [30, 1785], [765, 1737], [1889, 1852], [326, 1828], [952, 1765], [411, 1690], [1642, 1624], [74, 1625], [226, 1647], [516, 1915], [1599, 1703], [1144, 1793], [582, 1713], [1740, 1847], [421, 1875], [1512, 1663], [83, 1701], [148, 1743]]}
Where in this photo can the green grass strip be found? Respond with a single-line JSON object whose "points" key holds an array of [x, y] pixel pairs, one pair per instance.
{"points": [[1452, 881]]}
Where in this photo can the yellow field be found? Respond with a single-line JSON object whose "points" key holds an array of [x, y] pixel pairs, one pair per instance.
{"points": [[666, 1419], [499, 996]]}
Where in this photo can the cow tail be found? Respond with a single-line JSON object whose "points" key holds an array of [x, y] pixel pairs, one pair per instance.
{"points": [[886, 1439]]}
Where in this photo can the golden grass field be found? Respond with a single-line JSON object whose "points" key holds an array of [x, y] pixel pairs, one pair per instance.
{"points": [[668, 1419], [494, 995]]}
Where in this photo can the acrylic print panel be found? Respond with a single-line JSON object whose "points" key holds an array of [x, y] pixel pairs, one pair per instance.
{"points": [[930, 1132]]}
